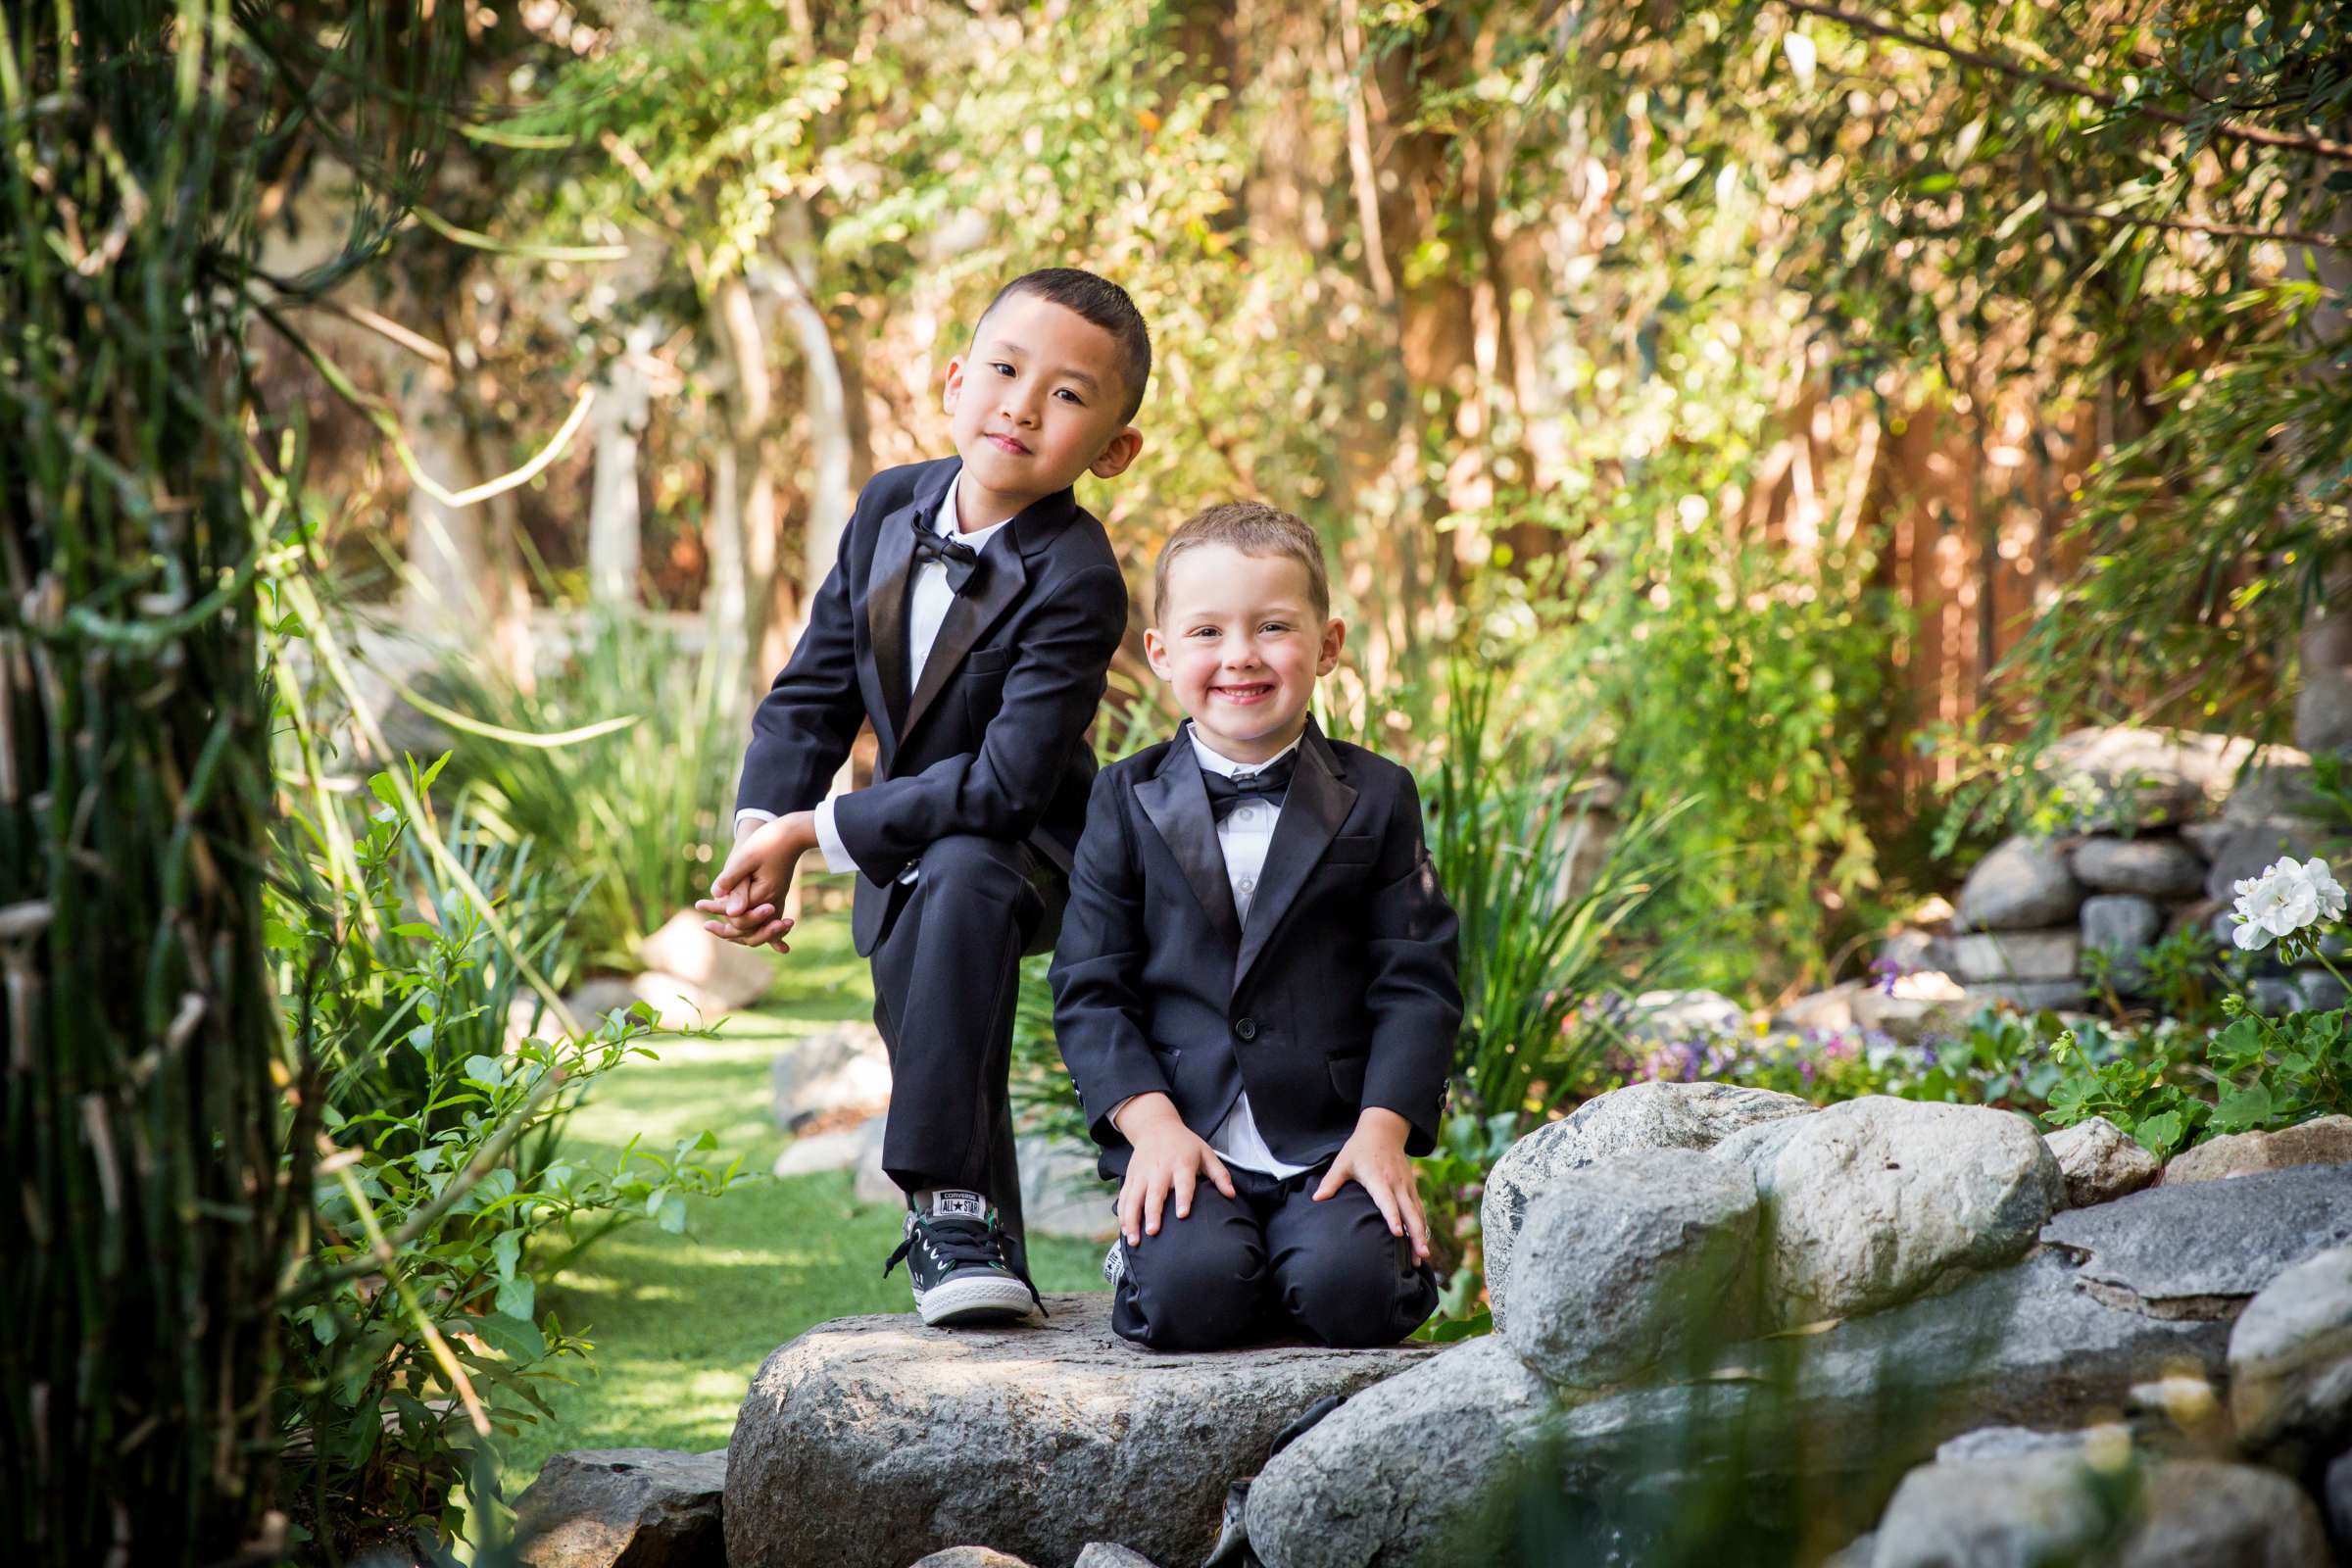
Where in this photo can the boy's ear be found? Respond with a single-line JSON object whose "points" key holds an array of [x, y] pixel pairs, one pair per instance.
{"points": [[1335, 639], [1155, 653], [1115, 456], [947, 400]]}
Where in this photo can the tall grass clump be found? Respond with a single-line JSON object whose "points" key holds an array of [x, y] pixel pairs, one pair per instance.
{"points": [[638, 811], [146, 489]]}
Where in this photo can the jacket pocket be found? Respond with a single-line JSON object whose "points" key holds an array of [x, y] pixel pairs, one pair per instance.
{"points": [[985, 662]]}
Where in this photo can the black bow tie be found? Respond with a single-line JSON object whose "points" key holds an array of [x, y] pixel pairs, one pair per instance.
{"points": [[1268, 783], [960, 558]]}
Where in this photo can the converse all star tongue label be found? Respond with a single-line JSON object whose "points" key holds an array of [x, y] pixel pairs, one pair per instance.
{"points": [[948, 1200]]}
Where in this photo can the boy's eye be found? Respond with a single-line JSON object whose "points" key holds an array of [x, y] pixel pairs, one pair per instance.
{"points": [[1065, 392], [1275, 625], [1001, 367], [1205, 631]]}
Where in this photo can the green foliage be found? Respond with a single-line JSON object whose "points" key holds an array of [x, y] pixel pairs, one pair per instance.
{"points": [[415, 1337], [1506, 818], [2256, 1074], [640, 817], [1453, 1179]]}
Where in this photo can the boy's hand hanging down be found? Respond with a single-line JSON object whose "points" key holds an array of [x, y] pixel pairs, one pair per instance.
{"points": [[746, 901], [1168, 1160], [1374, 1155]]}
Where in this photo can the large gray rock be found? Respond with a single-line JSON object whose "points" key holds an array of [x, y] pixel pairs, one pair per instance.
{"points": [[623, 1508], [1875, 1200], [2291, 1355], [1061, 1194], [1915, 1005], [969, 1558], [2020, 1346], [2337, 1494], [2100, 1163], [2202, 1250], [870, 1441], [2253, 844], [1105, 1555], [2023, 885], [1403, 1474], [1683, 1015], [2325, 1141], [2129, 776], [839, 1150], [2123, 926], [735, 975], [2017, 1513], [841, 1069], [2153, 867], [2014, 956], [1649, 1115], [1621, 1262]]}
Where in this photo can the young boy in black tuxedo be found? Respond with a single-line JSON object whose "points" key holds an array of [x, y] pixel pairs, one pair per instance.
{"points": [[1254, 987], [971, 617]]}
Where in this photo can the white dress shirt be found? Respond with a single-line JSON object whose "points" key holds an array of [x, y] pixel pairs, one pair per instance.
{"points": [[1243, 838], [926, 609]]}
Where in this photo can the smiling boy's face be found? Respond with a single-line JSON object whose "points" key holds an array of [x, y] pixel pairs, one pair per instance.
{"points": [[1037, 402], [1241, 642]]}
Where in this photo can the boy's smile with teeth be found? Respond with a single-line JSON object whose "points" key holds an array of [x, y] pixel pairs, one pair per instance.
{"points": [[1240, 641]]}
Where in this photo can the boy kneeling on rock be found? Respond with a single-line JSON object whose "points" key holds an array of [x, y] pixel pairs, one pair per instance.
{"points": [[1255, 984]]}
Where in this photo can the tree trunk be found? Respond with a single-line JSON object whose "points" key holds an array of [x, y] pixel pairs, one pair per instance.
{"points": [[615, 517], [741, 523], [2323, 704]]}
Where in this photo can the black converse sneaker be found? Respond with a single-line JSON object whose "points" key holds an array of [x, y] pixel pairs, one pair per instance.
{"points": [[955, 1256]]}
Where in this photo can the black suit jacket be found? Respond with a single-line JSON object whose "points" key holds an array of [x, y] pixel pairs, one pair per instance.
{"points": [[1339, 992], [989, 737]]}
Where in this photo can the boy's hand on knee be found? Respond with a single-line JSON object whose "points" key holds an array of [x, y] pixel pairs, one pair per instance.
{"points": [[1374, 1157], [748, 896], [1169, 1159]]}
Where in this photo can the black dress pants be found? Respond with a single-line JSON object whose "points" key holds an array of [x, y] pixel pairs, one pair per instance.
{"points": [[1270, 1261], [946, 973]]}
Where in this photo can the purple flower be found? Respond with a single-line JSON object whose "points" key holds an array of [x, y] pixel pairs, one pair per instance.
{"points": [[1884, 972]]}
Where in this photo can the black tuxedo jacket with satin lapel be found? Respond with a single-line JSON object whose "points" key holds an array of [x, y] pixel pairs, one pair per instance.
{"points": [[1339, 992], [989, 737]]}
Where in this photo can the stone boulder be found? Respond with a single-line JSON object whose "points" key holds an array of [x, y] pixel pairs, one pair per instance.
{"points": [[2123, 926], [968, 1557], [1911, 1007], [837, 1070], [842, 1148], [2020, 1346], [1823, 1012], [2131, 776], [1977, 957], [1105, 1555], [733, 975], [870, 1441], [1649, 1115], [2153, 867], [2100, 1163], [623, 1508], [2291, 1357], [2254, 843], [1659, 1016], [1620, 1263], [1876, 1201], [1403, 1473], [1061, 1193], [2023, 885], [2327, 1141], [1995, 1513], [2201, 1251], [679, 1003]]}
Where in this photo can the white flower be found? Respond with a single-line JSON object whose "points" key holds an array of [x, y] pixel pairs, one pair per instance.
{"points": [[2324, 883], [2283, 901]]}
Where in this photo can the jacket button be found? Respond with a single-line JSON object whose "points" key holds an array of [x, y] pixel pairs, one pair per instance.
{"points": [[1246, 1028]]}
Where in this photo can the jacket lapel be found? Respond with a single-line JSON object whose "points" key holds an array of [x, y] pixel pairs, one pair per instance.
{"points": [[1003, 573], [1317, 802], [1177, 804], [886, 596]]}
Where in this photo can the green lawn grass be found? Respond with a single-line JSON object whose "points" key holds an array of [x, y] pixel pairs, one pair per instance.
{"points": [[681, 1323]]}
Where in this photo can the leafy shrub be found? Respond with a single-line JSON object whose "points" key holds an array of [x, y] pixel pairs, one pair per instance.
{"points": [[415, 1336], [2256, 1074], [636, 802]]}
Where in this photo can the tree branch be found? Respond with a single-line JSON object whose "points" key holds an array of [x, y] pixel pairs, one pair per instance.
{"points": [[2284, 237], [2317, 146]]}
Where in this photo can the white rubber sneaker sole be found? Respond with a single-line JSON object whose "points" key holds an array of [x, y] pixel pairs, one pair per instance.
{"points": [[982, 1297]]}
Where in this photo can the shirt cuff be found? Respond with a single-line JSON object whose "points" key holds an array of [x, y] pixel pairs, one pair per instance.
{"points": [[1113, 1115], [751, 813], [828, 839]]}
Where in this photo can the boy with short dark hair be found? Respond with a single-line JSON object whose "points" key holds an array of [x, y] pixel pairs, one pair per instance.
{"points": [[1254, 987], [971, 617]]}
